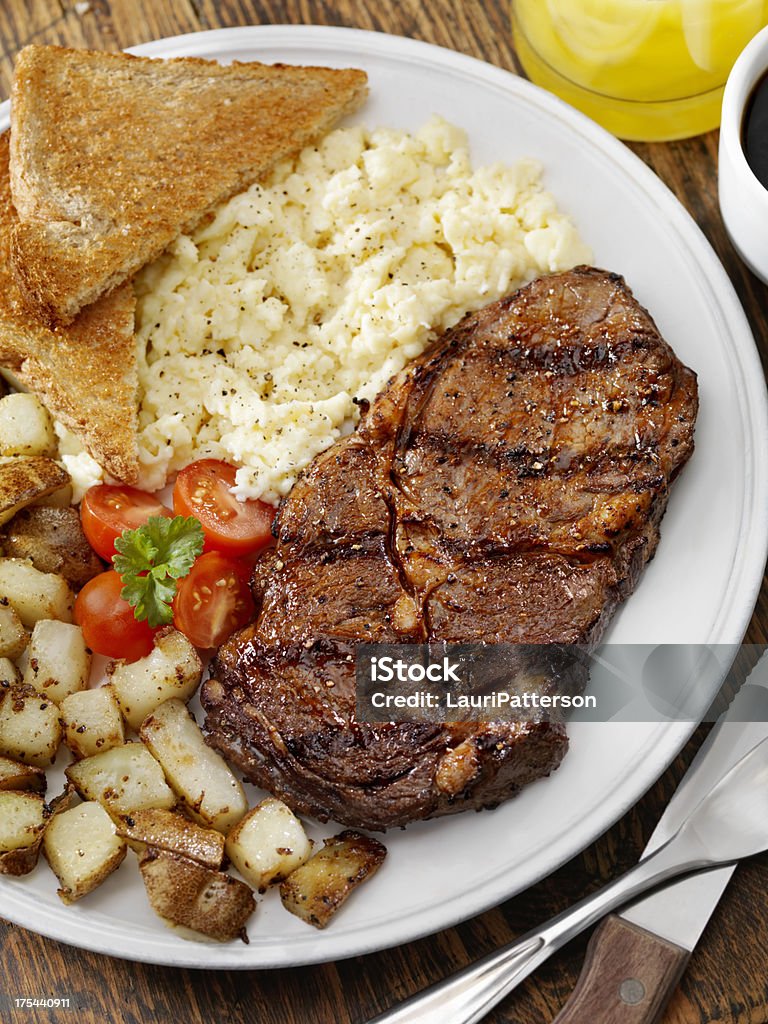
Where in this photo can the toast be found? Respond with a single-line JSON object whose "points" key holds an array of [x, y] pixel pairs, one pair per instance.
{"points": [[86, 373], [113, 156]]}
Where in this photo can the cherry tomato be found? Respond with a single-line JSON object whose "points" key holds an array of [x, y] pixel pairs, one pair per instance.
{"points": [[213, 600], [107, 510], [108, 622], [202, 489]]}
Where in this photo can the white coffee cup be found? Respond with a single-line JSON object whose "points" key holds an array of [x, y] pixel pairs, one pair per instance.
{"points": [[743, 200]]}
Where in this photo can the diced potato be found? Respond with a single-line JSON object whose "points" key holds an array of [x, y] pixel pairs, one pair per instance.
{"points": [[166, 830], [186, 893], [82, 849], [35, 595], [68, 798], [53, 541], [30, 730], [316, 890], [22, 816], [26, 427], [61, 498], [171, 669], [200, 776], [125, 778], [268, 844], [24, 480], [9, 673], [13, 637], [15, 775], [92, 721], [22, 823], [58, 662]]}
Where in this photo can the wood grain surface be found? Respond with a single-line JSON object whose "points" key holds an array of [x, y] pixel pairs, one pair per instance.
{"points": [[628, 976], [727, 977]]}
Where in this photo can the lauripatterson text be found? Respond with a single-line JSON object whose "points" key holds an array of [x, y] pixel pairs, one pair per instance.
{"points": [[494, 700]]}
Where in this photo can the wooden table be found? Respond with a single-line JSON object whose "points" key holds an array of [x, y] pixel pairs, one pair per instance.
{"points": [[727, 979]]}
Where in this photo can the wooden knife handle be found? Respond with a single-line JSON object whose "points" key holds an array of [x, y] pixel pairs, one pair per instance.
{"points": [[627, 977]]}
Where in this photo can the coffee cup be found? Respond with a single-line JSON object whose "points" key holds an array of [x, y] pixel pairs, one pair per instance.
{"points": [[743, 198]]}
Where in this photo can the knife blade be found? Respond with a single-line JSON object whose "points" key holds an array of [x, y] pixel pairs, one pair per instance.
{"points": [[636, 958]]}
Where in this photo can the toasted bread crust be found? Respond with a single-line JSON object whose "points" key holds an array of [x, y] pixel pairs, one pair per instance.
{"points": [[151, 146], [85, 373]]}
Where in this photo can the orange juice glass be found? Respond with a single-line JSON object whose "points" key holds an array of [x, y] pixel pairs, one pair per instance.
{"points": [[644, 69]]}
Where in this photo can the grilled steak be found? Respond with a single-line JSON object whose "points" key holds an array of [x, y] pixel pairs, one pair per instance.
{"points": [[506, 487]]}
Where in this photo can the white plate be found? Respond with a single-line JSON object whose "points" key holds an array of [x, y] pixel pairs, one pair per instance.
{"points": [[701, 586]]}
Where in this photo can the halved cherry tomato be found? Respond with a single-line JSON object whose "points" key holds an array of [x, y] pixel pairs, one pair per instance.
{"points": [[108, 509], [213, 600], [202, 489], [107, 621]]}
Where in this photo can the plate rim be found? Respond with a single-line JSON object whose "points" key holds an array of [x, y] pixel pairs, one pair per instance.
{"points": [[736, 607]]}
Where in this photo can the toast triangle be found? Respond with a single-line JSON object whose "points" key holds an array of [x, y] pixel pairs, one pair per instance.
{"points": [[113, 156], [85, 373]]}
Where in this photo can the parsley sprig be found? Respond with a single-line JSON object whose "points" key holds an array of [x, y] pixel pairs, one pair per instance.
{"points": [[151, 559]]}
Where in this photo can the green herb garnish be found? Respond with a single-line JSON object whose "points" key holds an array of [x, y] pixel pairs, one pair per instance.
{"points": [[151, 559]]}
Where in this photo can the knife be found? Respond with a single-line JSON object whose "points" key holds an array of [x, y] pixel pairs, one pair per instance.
{"points": [[636, 958]]}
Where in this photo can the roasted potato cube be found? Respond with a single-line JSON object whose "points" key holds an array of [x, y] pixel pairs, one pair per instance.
{"points": [[13, 637], [166, 830], [58, 662], [30, 730], [24, 480], [68, 798], [9, 673], [26, 427], [92, 721], [268, 844], [53, 540], [171, 669], [125, 778], [35, 595], [183, 892], [22, 823], [316, 890], [82, 849], [60, 498], [200, 776], [18, 776]]}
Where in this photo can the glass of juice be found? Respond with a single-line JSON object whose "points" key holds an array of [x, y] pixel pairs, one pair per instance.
{"points": [[644, 69]]}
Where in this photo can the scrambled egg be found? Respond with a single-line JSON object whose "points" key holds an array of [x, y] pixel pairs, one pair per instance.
{"points": [[257, 332]]}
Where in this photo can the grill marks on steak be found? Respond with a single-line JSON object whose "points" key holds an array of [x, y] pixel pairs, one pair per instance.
{"points": [[506, 487], [531, 427]]}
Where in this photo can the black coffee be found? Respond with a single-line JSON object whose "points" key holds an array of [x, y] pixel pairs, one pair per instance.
{"points": [[754, 136]]}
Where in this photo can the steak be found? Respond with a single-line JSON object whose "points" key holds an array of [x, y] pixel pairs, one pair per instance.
{"points": [[506, 487]]}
